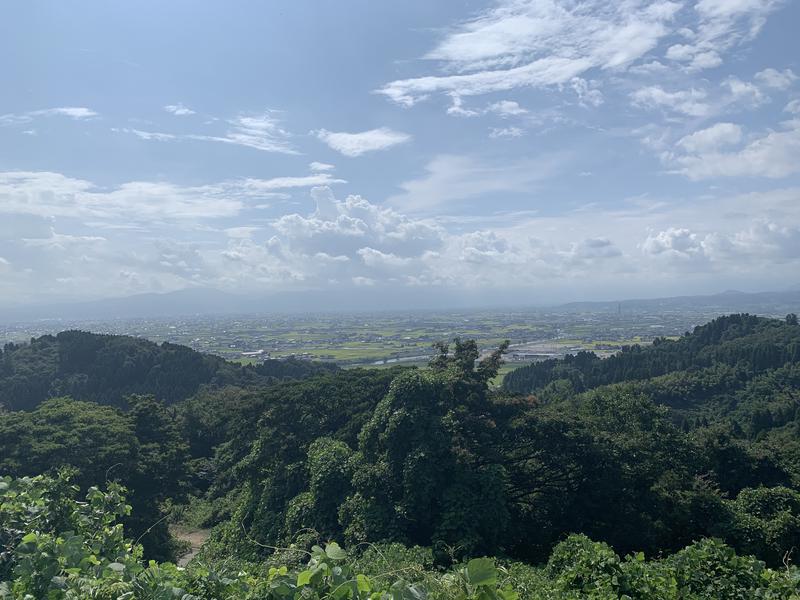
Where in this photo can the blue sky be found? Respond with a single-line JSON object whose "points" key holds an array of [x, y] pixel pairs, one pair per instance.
{"points": [[541, 149]]}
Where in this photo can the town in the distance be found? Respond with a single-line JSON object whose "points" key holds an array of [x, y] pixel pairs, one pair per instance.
{"points": [[390, 337]]}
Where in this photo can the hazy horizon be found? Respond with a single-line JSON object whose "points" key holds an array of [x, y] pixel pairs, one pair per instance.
{"points": [[420, 153]]}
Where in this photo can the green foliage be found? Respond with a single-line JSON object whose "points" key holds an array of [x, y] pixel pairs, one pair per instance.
{"points": [[143, 449], [580, 568], [646, 452], [108, 368], [424, 472], [744, 341], [56, 548]]}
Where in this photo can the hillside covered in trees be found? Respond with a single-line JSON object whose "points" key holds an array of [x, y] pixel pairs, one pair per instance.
{"points": [[108, 368], [667, 471]]}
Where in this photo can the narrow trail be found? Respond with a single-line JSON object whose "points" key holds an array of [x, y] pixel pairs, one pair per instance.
{"points": [[196, 538]]}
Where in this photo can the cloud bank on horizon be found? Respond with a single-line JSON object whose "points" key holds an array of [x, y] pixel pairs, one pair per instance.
{"points": [[558, 150]]}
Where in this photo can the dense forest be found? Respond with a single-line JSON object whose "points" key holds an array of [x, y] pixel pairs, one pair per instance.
{"points": [[108, 368], [666, 471]]}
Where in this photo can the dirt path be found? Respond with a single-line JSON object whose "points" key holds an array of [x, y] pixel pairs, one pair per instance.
{"points": [[196, 538]]}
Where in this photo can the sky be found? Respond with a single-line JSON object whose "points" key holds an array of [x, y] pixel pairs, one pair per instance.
{"points": [[535, 150]]}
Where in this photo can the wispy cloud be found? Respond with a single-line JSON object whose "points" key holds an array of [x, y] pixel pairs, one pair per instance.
{"points": [[73, 112], [453, 179], [715, 26], [258, 131], [46, 194], [356, 144], [537, 43]]}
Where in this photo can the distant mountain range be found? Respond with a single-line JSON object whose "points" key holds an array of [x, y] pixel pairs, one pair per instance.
{"points": [[725, 302], [193, 302], [206, 301]]}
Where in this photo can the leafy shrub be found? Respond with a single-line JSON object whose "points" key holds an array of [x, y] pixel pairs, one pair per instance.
{"points": [[55, 547]]}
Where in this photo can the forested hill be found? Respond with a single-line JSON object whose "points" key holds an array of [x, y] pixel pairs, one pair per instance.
{"points": [[107, 368], [651, 453], [749, 343]]}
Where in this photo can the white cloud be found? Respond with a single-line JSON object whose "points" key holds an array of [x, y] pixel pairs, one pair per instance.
{"points": [[353, 242], [73, 112], [318, 167], [744, 92], [792, 107], [688, 102], [502, 108], [587, 94], [675, 244], [457, 108], [537, 43], [512, 132], [712, 138], [762, 242], [60, 241], [780, 80], [244, 232], [717, 26], [258, 131], [356, 144], [179, 110], [48, 195], [375, 258], [148, 135], [506, 108], [773, 155], [450, 179], [256, 186]]}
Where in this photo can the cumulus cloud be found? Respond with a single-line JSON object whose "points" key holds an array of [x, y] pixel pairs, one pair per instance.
{"points": [[674, 243], [179, 110], [689, 102], [772, 155], [712, 138], [506, 108], [354, 242], [319, 167], [762, 242], [356, 144], [780, 80], [744, 92]]}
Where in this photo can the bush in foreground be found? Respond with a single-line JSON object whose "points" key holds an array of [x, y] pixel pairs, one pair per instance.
{"points": [[54, 547]]}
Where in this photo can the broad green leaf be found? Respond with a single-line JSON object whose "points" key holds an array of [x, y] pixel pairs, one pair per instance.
{"points": [[481, 571], [304, 578], [364, 584], [335, 552]]}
